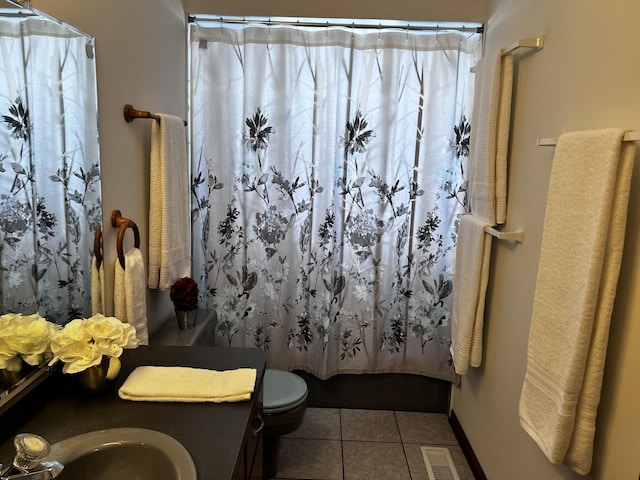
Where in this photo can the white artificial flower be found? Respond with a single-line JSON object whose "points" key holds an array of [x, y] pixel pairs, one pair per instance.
{"points": [[12, 363], [24, 338], [82, 343]]}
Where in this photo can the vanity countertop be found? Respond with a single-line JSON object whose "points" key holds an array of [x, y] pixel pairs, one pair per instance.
{"points": [[212, 433]]}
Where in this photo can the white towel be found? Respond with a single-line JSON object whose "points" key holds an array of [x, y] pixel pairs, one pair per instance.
{"points": [[490, 138], [473, 254], [580, 258], [169, 220], [97, 287], [130, 294], [186, 384]]}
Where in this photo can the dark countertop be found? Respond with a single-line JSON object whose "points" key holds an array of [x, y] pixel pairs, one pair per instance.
{"points": [[212, 433]]}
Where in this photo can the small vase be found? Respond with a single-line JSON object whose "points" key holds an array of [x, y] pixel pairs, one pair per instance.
{"points": [[94, 379], [186, 318], [9, 379]]}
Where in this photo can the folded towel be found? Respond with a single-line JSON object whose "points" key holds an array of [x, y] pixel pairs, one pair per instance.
{"points": [[473, 254], [130, 294], [169, 219], [97, 287], [186, 384], [490, 138], [580, 259]]}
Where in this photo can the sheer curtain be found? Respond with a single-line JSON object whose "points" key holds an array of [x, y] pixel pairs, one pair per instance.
{"points": [[327, 175], [49, 170]]}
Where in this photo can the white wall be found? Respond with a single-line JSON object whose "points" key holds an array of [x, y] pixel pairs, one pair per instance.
{"points": [[586, 77]]}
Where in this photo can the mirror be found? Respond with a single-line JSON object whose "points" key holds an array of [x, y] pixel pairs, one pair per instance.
{"points": [[50, 196]]}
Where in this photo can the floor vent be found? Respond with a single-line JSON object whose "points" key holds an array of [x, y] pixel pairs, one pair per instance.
{"points": [[439, 464]]}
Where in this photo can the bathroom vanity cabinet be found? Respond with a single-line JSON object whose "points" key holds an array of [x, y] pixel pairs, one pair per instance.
{"points": [[249, 465], [224, 440]]}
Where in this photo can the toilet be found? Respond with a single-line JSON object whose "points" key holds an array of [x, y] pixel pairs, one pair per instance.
{"points": [[284, 404]]}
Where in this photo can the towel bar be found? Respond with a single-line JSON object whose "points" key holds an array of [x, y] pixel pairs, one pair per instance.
{"points": [[130, 114], [535, 43], [118, 221], [551, 142], [514, 236]]}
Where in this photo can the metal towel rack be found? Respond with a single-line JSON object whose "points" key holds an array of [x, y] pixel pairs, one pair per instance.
{"points": [[551, 142], [118, 221], [514, 236], [532, 43], [130, 114], [536, 43]]}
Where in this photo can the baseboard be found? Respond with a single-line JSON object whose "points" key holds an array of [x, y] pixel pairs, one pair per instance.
{"points": [[463, 441]]}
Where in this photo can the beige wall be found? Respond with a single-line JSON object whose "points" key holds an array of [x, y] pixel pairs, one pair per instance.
{"points": [[585, 77], [141, 60]]}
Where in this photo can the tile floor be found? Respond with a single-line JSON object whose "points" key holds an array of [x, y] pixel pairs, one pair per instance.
{"points": [[348, 444]]}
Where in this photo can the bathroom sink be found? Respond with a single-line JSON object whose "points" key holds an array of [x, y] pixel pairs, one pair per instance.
{"points": [[123, 453]]}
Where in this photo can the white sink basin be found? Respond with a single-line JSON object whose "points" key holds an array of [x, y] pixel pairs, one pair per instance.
{"points": [[123, 453]]}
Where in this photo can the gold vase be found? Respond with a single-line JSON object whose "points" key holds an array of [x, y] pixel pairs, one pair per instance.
{"points": [[9, 379], [94, 379]]}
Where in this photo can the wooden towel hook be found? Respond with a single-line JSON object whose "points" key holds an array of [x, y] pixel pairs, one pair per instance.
{"points": [[97, 246], [122, 223]]}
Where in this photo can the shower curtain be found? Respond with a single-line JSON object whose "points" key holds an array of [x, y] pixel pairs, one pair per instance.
{"points": [[327, 176], [49, 169]]}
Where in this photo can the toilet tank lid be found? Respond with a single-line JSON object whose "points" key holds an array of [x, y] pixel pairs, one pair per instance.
{"points": [[282, 389]]}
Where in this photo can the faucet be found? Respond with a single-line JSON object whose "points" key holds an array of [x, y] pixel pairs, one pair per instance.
{"points": [[27, 465]]}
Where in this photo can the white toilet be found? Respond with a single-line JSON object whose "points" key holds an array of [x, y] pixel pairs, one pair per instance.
{"points": [[284, 404]]}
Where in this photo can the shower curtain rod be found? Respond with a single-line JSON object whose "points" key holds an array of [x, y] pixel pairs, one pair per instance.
{"points": [[314, 22]]}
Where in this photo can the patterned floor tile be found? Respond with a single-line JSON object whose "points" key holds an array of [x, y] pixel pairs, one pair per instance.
{"points": [[319, 423], [369, 425], [425, 428], [352, 444], [416, 462], [310, 459], [461, 463], [374, 460]]}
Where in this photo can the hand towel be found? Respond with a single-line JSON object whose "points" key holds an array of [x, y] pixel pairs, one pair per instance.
{"points": [[130, 294], [169, 219], [473, 255], [97, 287], [580, 257], [186, 384], [490, 137]]}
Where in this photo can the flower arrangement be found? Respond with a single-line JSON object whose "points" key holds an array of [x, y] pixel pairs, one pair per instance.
{"points": [[81, 344], [184, 294], [24, 339]]}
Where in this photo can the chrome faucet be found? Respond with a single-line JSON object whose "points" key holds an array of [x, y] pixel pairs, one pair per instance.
{"points": [[27, 464]]}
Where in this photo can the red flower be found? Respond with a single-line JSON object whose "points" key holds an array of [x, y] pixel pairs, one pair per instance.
{"points": [[184, 294]]}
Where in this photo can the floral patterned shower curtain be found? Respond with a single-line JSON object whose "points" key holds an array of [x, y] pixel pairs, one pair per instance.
{"points": [[49, 169], [327, 176]]}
